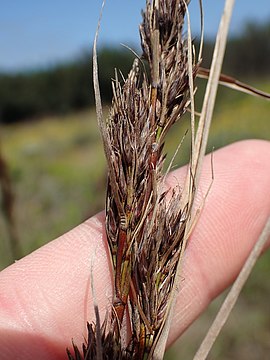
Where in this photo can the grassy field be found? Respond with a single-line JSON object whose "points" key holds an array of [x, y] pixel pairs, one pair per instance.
{"points": [[58, 173], [59, 177]]}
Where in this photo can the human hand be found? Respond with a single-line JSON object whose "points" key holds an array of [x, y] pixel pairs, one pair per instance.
{"points": [[46, 298]]}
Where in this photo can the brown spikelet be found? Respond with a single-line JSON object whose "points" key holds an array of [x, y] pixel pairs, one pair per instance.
{"points": [[144, 223]]}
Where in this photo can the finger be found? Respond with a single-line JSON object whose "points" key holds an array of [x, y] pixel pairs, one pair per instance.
{"points": [[233, 217], [45, 298]]}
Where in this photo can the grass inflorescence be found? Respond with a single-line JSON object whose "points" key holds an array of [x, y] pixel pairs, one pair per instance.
{"points": [[145, 225]]}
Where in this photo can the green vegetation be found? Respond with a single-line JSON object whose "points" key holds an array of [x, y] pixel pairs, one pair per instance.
{"points": [[57, 167], [60, 89], [66, 87]]}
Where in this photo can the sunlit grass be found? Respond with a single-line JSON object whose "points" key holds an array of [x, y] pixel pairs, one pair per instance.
{"points": [[57, 167]]}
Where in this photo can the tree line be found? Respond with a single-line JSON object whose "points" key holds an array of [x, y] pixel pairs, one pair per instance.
{"points": [[68, 87]]}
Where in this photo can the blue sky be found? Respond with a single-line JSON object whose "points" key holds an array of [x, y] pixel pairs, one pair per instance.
{"points": [[35, 33]]}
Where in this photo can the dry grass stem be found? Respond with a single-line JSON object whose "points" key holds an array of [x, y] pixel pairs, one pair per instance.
{"points": [[235, 84], [201, 139]]}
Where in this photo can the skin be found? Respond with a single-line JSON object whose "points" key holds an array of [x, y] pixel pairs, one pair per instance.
{"points": [[46, 297]]}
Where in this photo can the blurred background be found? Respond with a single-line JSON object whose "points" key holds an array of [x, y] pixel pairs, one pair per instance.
{"points": [[52, 168]]}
